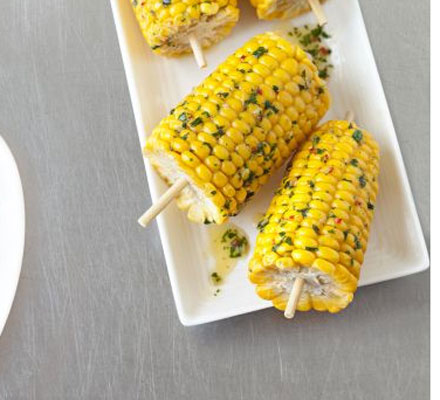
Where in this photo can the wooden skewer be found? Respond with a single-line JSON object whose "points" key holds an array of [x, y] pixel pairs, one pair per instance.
{"points": [[164, 200], [197, 51], [349, 116], [317, 9], [295, 294]]}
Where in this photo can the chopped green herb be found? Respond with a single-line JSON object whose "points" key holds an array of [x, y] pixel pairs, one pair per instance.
{"points": [[216, 278], [354, 162], [259, 52], [370, 206], [220, 132], [197, 121], [357, 135], [236, 244], [357, 243], [223, 94], [252, 98], [183, 117], [275, 88], [311, 248], [263, 223], [303, 212], [269, 106], [315, 140], [315, 228], [362, 181]]}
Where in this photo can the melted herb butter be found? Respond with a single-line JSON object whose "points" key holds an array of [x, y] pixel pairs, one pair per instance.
{"points": [[312, 39], [228, 244]]}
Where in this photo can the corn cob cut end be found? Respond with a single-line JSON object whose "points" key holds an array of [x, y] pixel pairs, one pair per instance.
{"points": [[317, 225], [202, 206], [320, 292], [280, 9], [167, 25]]}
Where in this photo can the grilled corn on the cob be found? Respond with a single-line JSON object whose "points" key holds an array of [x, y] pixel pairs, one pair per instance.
{"points": [[167, 24], [238, 126], [317, 225], [272, 9]]}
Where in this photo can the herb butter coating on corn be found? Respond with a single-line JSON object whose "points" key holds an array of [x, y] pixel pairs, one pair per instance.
{"points": [[281, 9], [318, 223], [167, 24], [238, 126]]}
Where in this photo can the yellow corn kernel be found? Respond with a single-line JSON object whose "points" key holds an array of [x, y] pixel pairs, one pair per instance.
{"points": [[213, 163], [229, 168], [221, 152], [228, 190], [303, 257], [220, 179], [203, 172], [190, 159]]}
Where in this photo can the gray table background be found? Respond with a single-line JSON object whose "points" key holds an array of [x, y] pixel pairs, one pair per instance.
{"points": [[94, 315]]}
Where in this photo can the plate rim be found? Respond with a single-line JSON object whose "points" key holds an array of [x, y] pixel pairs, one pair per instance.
{"points": [[19, 196]]}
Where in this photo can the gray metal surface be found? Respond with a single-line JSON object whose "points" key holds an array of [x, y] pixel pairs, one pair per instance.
{"points": [[94, 317]]}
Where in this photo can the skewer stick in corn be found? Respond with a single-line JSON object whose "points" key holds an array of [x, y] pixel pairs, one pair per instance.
{"points": [[163, 201], [289, 312], [197, 51], [298, 285], [240, 125], [176, 27], [317, 9]]}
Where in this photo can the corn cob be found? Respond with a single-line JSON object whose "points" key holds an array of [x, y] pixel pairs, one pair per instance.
{"points": [[229, 135], [281, 9], [317, 225], [168, 24]]}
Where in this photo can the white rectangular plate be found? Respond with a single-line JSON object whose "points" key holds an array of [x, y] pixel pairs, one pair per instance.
{"points": [[156, 84]]}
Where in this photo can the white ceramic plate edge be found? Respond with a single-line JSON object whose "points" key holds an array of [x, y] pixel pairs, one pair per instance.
{"points": [[13, 234]]}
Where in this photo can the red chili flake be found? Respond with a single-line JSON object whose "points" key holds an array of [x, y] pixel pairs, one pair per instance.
{"points": [[242, 57], [338, 220], [324, 51], [259, 91], [358, 203], [330, 170]]}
